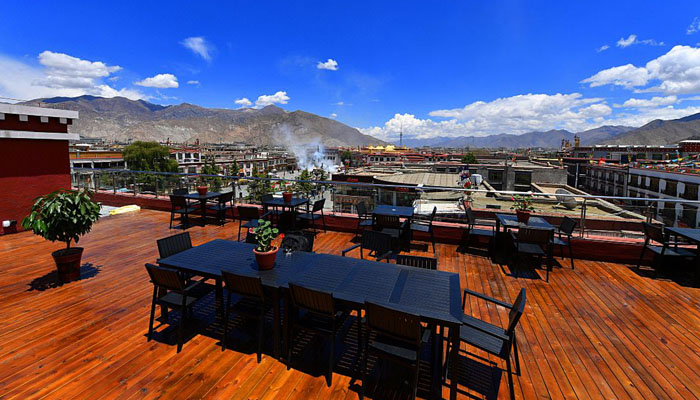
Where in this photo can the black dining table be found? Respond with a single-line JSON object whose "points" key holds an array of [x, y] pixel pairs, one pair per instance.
{"points": [[434, 296], [291, 206], [203, 199], [693, 236]]}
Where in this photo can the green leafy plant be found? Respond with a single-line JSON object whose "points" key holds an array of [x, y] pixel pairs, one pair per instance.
{"points": [[63, 215], [285, 186], [264, 235], [522, 203]]}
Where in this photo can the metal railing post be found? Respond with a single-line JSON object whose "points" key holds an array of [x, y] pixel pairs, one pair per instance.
{"points": [[114, 183], [583, 217], [156, 178], [134, 180]]}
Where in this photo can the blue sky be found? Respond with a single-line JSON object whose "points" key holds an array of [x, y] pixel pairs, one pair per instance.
{"points": [[427, 68]]}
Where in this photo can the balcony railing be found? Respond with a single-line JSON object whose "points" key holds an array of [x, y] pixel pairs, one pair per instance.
{"points": [[597, 214]]}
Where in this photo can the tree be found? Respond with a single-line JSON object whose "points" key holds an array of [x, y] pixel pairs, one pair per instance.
{"points": [[210, 168], [304, 187], [149, 156], [346, 155], [469, 158], [259, 187]]}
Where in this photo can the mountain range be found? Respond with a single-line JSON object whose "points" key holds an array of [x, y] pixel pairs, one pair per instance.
{"points": [[120, 119]]}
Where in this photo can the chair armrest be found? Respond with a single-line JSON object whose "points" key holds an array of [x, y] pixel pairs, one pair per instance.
{"points": [[496, 335], [384, 256], [487, 298], [349, 249]]}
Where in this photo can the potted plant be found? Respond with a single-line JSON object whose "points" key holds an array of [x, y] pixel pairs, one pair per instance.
{"points": [[202, 186], [523, 207], [265, 251], [64, 215], [286, 192]]}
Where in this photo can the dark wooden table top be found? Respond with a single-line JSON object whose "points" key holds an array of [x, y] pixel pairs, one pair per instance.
{"points": [[207, 196], [399, 211], [432, 295], [279, 202], [511, 221], [688, 233]]}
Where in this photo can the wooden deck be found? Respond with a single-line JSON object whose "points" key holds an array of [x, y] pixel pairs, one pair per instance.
{"points": [[599, 331]]}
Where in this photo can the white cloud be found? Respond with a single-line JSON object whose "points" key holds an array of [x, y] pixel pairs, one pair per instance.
{"points": [[632, 39], [693, 27], [645, 103], [334, 115], [677, 72], [59, 75], [198, 45], [161, 81], [602, 48], [340, 103], [330, 65], [267, 99], [196, 83], [244, 102]]}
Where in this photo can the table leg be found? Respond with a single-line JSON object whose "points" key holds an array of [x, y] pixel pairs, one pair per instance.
{"points": [[276, 322], [219, 299], [454, 361], [203, 209]]}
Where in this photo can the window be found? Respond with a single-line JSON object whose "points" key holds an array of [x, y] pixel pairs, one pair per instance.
{"points": [[691, 191], [654, 184], [523, 178], [671, 188], [689, 215]]}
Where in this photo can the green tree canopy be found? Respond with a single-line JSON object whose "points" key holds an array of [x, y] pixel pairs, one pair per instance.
{"points": [[469, 158], [149, 156]]}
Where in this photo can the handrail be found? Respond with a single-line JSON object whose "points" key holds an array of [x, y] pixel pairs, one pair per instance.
{"points": [[384, 185]]}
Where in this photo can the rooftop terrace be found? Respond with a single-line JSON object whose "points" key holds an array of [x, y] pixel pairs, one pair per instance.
{"points": [[603, 330]]}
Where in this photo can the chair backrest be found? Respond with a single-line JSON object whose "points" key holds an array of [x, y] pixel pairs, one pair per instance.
{"points": [[654, 232], [417, 261], [316, 301], [243, 285], [250, 238], [180, 192], [226, 197], [361, 209], [298, 241], [376, 241], [393, 323], [516, 312], [166, 278], [174, 244], [432, 215], [388, 221], [567, 225], [248, 213], [178, 201], [318, 205], [534, 235]]}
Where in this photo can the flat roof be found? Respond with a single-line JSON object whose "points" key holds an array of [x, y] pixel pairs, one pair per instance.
{"points": [[37, 111], [424, 178]]}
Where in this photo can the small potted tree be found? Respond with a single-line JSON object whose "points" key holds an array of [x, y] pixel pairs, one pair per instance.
{"points": [[523, 207], [286, 192], [65, 216], [202, 186], [265, 251]]}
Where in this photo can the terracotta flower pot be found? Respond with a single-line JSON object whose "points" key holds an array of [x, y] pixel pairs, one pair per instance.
{"points": [[523, 216], [68, 263], [202, 190], [266, 260], [287, 196]]}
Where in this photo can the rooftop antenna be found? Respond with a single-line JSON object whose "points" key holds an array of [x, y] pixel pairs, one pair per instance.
{"points": [[401, 136]]}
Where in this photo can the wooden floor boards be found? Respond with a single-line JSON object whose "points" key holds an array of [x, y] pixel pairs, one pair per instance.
{"points": [[602, 330]]}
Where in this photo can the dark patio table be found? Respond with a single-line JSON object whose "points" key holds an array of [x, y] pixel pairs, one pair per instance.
{"points": [[510, 221], [399, 211], [292, 205], [434, 296], [203, 201], [692, 235]]}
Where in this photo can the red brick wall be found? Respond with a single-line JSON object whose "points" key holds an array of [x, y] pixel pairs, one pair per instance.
{"points": [[30, 168], [34, 124]]}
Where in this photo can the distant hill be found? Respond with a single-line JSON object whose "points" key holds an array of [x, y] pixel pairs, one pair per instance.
{"points": [[660, 132], [548, 139], [122, 119]]}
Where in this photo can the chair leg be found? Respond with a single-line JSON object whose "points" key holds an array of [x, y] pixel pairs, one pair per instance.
{"points": [[432, 239], [180, 329], [260, 335], [363, 368], [415, 378], [172, 216], [153, 313], [571, 254], [517, 355], [323, 219], [510, 379], [227, 310], [289, 347], [240, 222], [329, 376], [641, 256]]}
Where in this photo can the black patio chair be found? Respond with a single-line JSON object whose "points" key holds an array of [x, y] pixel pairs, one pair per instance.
{"points": [[183, 192], [174, 244], [378, 244], [653, 233], [533, 242], [394, 335], [273, 213], [364, 219], [417, 261], [170, 290], [566, 228], [312, 216], [490, 338], [426, 226], [179, 205], [298, 241], [392, 226], [321, 317], [252, 304], [472, 230], [222, 205], [249, 214]]}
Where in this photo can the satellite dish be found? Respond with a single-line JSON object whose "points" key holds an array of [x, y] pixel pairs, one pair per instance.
{"points": [[568, 202]]}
